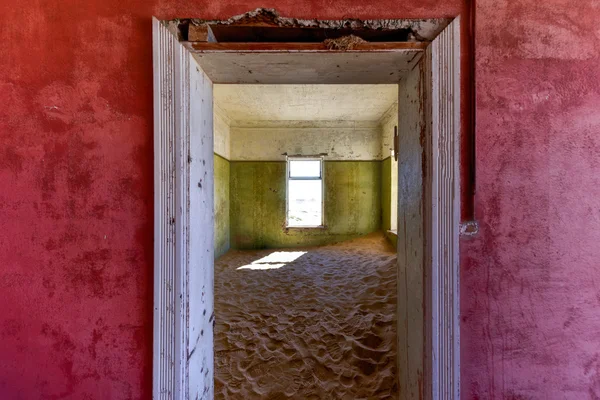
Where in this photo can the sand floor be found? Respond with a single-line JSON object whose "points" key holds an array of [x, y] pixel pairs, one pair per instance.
{"points": [[322, 326]]}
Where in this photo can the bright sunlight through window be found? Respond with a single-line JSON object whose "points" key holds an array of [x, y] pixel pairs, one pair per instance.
{"points": [[274, 260], [305, 192]]}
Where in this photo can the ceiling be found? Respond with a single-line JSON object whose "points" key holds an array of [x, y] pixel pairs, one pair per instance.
{"points": [[282, 66], [245, 103]]}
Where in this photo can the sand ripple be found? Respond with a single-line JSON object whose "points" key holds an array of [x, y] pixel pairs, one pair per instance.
{"points": [[320, 327]]}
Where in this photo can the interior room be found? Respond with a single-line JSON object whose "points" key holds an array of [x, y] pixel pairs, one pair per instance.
{"points": [[305, 186]]}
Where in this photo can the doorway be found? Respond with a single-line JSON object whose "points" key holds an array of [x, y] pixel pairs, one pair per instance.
{"points": [[427, 74], [306, 284]]}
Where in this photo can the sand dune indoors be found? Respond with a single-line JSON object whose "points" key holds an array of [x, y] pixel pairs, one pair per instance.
{"points": [[311, 323]]}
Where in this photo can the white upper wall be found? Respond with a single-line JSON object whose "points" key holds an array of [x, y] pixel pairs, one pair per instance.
{"points": [[221, 125], [340, 140], [261, 122]]}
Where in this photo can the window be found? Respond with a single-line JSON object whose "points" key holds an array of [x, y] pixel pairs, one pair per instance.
{"points": [[304, 192]]}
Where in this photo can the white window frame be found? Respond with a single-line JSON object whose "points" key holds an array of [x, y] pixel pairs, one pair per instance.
{"points": [[287, 189]]}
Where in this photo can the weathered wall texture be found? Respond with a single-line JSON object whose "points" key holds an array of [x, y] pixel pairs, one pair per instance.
{"points": [[411, 237], [351, 199], [199, 264], [222, 133], [76, 206], [530, 280], [222, 145], [222, 203], [341, 140]]}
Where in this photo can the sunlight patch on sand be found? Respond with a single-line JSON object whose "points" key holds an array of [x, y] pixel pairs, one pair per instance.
{"points": [[274, 260]]}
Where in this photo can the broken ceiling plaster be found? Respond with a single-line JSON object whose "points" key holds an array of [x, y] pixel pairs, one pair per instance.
{"points": [[421, 29]]}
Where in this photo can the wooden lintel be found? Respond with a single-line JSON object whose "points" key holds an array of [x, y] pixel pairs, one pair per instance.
{"points": [[268, 47], [200, 33]]}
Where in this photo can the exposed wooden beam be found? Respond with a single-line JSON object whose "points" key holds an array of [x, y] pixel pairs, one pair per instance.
{"points": [[263, 23], [201, 33], [260, 47]]}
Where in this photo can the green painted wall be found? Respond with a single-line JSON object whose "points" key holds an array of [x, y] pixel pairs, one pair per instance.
{"points": [[222, 203], [257, 210]]}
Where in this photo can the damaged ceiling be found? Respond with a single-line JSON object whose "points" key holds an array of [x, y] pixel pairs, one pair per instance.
{"points": [[262, 47], [266, 25]]}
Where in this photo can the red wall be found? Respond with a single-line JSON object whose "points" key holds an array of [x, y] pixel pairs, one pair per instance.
{"points": [[76, 198], [531, 280]]}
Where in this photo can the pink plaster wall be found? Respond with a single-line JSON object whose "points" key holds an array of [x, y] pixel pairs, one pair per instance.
{"points": [[76, 194], [531, 280]]}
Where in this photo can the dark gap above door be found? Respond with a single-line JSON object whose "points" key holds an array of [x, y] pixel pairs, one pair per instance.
{"points": [[266, 26]]}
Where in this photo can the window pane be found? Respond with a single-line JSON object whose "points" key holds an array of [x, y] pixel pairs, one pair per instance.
{"points": [[304, 203], [305, 168]]}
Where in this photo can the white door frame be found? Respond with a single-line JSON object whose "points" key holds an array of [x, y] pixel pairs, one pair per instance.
{"points": [[183, 223], [428, 320], [442, 211]]}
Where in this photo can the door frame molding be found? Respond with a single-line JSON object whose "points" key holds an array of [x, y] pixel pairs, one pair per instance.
{"points": [[171, 133], [440, 216]]}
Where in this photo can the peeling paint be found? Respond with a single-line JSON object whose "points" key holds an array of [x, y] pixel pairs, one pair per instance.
{"points": [[420, 29]]}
